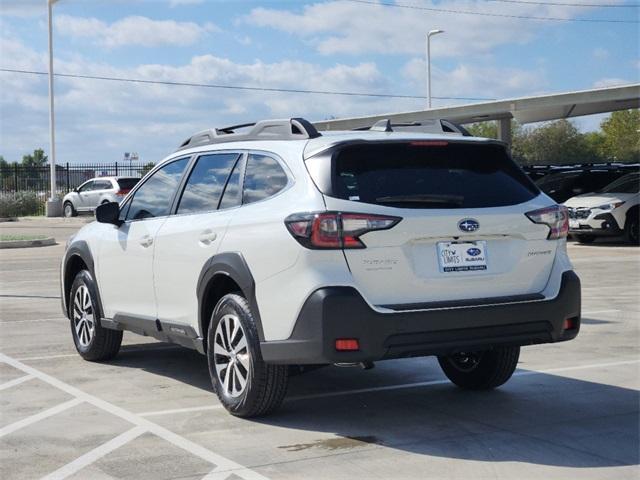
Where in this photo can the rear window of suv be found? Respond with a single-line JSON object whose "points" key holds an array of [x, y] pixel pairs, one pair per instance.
{"points": [[426, 174]]}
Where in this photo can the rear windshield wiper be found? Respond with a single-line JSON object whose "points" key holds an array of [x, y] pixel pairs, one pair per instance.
{"points": [[455, 200]]}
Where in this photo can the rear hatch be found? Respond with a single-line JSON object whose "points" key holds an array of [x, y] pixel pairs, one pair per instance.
{"points": [[464, 233]]}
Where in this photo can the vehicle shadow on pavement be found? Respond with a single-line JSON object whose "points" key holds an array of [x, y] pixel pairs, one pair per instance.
{"points": [[536, 418], [172, 361]]}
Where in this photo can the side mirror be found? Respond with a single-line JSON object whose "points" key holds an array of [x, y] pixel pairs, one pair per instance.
{"points": [[109, 213]]}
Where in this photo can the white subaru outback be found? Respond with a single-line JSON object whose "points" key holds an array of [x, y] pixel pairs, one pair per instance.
{"points": [[284, 246]]}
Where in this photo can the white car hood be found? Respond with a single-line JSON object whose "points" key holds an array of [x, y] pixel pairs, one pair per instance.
{"points": [[590, 200]]}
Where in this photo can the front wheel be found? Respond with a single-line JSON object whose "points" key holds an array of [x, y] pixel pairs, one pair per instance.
{"points": [[244, 383], [92, 342], [632, 228], [481, 370], [68, 210]]}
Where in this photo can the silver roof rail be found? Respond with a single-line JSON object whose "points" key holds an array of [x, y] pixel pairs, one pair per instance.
{"points": [[439, 126], [286, 129]]}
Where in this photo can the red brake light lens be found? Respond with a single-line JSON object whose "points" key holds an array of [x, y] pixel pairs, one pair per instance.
{"points": [[123, 191], [555, 217], [335, 230]]}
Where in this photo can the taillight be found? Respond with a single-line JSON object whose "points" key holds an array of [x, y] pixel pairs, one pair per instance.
{"points": [[555, 217], [335, 230], [123, 191]]}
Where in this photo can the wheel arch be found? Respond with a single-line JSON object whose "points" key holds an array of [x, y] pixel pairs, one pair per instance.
{"points": [[78, 257], [635, 210], [222, 274]]}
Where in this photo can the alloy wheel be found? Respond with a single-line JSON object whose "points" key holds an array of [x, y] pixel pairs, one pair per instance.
{"points": [[231, 356], [83, 316]]}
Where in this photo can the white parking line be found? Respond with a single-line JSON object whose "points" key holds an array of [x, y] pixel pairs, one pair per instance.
{"points": [[180, 410], [95, 454], [153, 347], [595, 312], [15, 381], [39, 416], [401, 386], [221, 463], [5, 322]]}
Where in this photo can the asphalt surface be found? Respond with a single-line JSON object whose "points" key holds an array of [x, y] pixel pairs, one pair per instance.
{"points": [[570, 411]]}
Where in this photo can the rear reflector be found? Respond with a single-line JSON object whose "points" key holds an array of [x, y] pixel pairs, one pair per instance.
{"points": [[570, 324], [347, 345]]}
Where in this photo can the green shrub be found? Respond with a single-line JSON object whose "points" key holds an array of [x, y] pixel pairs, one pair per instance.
{"points": [[20, 204]]}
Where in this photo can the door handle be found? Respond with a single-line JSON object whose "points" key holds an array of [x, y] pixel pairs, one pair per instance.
{"points": [[207, 237], [146, 241]]}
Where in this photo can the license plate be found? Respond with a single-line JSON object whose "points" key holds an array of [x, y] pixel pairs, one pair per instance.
{"points": [[574, 224], [462, 257]]}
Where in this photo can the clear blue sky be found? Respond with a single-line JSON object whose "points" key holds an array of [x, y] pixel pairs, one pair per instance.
{"points": [[324, 45]]}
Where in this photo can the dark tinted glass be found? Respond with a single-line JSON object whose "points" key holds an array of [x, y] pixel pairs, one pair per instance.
{"points": [[153, 198], [127, 183], [206, 182], [626, 184], [419, 175], [264, 177], [102, 185], [231, 196], [87, 187]]}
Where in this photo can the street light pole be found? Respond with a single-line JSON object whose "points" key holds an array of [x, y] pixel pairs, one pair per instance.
{"points": [[429, 35], [54, 207]]}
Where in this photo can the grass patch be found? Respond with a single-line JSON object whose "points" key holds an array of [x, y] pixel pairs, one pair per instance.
{"points": [[12, 237]]}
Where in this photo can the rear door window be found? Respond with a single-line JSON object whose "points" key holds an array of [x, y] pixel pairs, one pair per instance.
{"points": [[206, 182], [264, 178], [430, 175]]}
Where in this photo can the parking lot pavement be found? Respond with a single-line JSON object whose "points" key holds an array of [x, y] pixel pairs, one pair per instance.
{"points": [[571, 410]]}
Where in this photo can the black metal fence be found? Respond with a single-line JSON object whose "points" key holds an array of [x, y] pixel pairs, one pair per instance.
{"points": [[31, 185]]}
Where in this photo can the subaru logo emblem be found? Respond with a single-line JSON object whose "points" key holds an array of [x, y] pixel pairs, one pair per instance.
{"points": [[468, 225], [473, 252]]}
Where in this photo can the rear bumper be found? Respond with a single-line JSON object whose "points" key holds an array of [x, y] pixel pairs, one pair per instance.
{"points": [[341, 312]]}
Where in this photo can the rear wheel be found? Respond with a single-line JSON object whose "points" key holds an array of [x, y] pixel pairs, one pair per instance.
{"points": [[92, 342], [585, 238], [481, 370], [68, 210], [244, 383]]}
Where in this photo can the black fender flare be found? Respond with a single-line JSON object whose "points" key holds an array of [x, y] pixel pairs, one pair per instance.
{"points": [[79, 249], [234, 266]]}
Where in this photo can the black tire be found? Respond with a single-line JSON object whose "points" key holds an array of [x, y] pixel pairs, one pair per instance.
{"points": [[481, 370], [103, 344], [68, 211], [632, 227], [266, 385], [585, 238]]}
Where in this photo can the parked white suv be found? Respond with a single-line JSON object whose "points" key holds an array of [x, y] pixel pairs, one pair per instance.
{"points": [[284, 246], [612, 211], [95, 192]]}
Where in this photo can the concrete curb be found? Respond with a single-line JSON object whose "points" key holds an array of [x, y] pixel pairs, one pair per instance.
{"points": [[45, 242], [8, 219]]}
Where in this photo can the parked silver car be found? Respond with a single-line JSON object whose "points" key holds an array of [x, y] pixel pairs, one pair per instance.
{"points": [[95, 192]]}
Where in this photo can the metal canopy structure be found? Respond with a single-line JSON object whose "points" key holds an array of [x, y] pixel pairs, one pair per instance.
{"points": [[524, 110]]}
